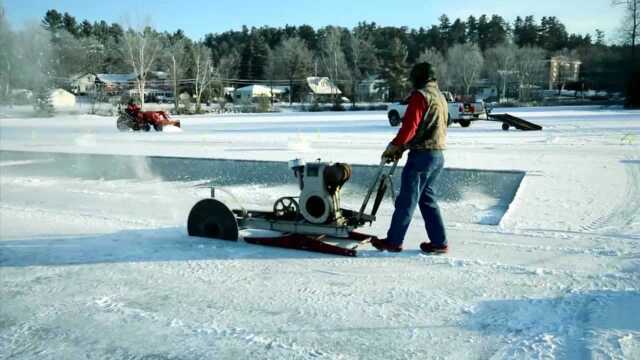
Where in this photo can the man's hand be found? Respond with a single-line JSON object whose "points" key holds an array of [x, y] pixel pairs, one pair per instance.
{"points": [[392, 153]]}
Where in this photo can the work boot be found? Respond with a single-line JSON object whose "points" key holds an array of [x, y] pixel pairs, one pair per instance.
{"points": [[382, 245], [429, 248]]}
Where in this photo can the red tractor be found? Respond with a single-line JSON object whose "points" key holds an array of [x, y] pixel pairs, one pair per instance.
{"points": [[132, 118]]}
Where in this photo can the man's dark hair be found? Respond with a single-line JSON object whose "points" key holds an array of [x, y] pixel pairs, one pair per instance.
{"points": [[421, 74]]}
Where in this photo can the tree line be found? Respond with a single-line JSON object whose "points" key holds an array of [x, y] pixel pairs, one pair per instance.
{"points": [[464, 51]]}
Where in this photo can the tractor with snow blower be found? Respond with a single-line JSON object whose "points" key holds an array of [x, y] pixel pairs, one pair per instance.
{"points": [[131, 118], [313, 221]]}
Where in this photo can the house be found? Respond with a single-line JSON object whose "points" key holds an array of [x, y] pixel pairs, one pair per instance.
{"points": [[247, 93], [152, 94], [114, 84], [82, 84], [321, 89], [372, 89], [62, 99], [562, 70], [485, 89]]}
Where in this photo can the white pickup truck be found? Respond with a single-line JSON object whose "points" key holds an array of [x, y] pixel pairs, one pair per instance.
{"points": [[461, 112]]}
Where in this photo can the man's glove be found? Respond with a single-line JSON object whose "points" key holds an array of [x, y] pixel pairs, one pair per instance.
{"points": [[392, 152]]}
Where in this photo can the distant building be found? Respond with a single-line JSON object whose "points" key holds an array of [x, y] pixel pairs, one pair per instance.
{"points": [[62, 99], [563, 70], [83, 84], [247, 93], [321, 89], [372, 89], [114, 84], [152, 94], [484, 89]]}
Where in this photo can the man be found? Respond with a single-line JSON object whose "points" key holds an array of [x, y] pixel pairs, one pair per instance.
{"points": [[423, 132]]}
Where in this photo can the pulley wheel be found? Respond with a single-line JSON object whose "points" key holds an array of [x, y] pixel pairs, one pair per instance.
{"points": [[212, 219], [286, 208]]}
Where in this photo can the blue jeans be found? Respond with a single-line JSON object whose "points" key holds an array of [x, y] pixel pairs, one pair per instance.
{"points": [[418, 176]]}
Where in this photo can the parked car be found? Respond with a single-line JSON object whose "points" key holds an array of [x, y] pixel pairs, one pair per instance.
{"points": [[462, 111]]}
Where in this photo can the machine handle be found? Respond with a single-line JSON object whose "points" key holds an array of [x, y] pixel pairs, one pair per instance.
{"points": [[381, 179]]}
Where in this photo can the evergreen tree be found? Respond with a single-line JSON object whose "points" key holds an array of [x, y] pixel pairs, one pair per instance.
{"points": [[445, 28], [70, 24], [308, 35], [43, 104], [483, 32], [253, 58], [472, 30], [552, 34], [497, 32], [458, 32], [599, 37], [394, 69], [86, 29], [53, 21]]}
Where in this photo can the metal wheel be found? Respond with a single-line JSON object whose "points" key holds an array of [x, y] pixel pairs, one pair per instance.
{"points": [[212, 219], [505, 126], [123, 123], [286, 208]]}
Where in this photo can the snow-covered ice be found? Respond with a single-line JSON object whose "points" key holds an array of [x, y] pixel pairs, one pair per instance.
{"points": [[100, 266]]}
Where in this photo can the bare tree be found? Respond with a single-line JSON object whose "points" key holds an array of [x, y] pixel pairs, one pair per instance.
{"points": [[228, 66], [34, 54], [501, 64], [204, 72], [437, 60], [465, 63], [292, 61], [6, 55], [142, 50], [363, 62], [631, 24], [177, 59], [529, 66]]}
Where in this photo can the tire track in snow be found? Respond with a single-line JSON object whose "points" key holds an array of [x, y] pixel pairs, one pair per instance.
{"points": [[621, 217], [79, 217], [211, 329]]}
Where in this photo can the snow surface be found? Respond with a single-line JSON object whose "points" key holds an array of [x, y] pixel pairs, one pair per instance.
{"points": [[102, 268]]}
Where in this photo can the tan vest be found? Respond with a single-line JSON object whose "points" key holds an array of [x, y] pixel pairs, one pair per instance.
{"points": [[432, 131]]}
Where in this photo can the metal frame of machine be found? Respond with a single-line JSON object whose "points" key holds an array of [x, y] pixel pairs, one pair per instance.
{"points": [[315, 222]]}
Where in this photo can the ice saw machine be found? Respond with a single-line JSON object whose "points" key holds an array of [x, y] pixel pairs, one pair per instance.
{"points": [[312, 221]]}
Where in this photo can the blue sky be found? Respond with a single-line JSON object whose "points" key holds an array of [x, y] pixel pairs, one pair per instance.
{"points": [[199, 17]]}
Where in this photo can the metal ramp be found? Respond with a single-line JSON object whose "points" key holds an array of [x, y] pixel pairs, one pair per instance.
{"points": [[508, 121]]}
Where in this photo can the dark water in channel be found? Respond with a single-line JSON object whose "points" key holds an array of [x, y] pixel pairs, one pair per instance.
{"points": [[499, 186]]}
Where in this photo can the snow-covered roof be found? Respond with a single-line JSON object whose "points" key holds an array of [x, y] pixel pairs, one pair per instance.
{"points": [[161, 75], [255, 90], [280, 89], [82, 75], [322, 86], [115, 78]]}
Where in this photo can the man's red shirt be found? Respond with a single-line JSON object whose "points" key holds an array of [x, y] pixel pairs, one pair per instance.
{"points": [[412, 117]]}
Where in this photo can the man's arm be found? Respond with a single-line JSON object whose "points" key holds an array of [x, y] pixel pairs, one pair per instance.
{"points": [[412, 118]]}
